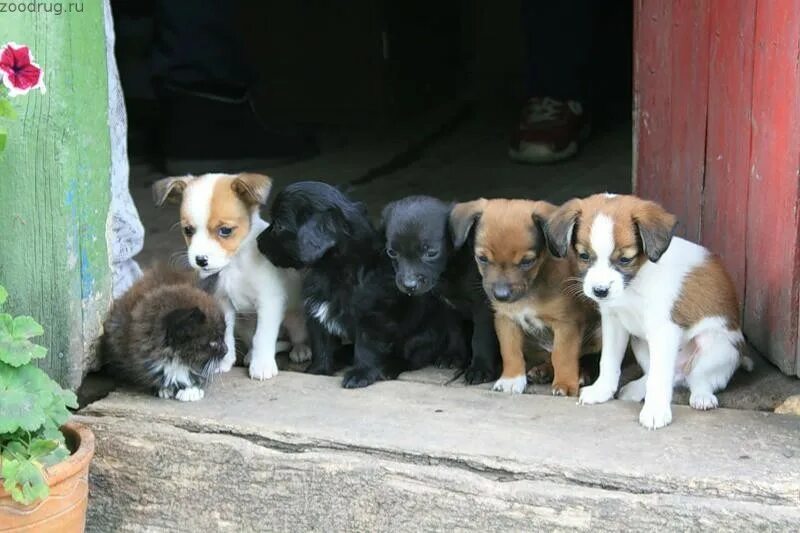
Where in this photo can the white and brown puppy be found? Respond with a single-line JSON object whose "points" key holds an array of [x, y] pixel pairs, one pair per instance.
{"points": [[670, 297], [220, 221]]}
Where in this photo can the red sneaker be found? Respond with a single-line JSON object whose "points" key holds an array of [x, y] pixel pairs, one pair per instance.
{"points": [[549, 130]]}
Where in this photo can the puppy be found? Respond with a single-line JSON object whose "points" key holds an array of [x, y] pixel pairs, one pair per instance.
{"points": [[672, 298], [220, 221], [349, 289], [428, 259], [530, 290]]}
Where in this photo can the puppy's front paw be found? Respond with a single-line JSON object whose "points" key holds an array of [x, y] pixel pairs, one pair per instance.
{"points": [[595, 394], [190, 394], [541, 374], [703, 401], [227, 362], [300, 353], [476, 374], [565, 388], [357, 378], [515, 385], [320, 368], [166, 393], [633, 391], [263, 368], [655, 416]]}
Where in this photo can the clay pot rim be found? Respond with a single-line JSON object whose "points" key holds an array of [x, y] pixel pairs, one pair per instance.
{"points": [[83, 438]]}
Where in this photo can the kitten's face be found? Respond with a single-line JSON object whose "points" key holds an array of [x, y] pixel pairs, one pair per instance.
{"points": [[197, 338]]}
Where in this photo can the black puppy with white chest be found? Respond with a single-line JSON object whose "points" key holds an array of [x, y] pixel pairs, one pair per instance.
{"points": [[428, 260], [349, 289]]}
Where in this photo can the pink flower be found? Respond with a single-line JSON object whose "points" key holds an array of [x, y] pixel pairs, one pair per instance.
{"points": [[21, 74]]}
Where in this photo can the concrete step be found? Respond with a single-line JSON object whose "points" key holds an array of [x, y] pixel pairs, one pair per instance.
{"points": [[300, 453]]}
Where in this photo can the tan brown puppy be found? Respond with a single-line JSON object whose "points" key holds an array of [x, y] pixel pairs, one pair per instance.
{"points": [[531, 291]]}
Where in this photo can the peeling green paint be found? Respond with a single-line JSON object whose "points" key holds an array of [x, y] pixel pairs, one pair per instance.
{"points": [[55, 186]]}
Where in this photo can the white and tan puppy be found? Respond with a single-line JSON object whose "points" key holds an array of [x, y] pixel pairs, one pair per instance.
{"points": [[671, 298], [220, 221]]}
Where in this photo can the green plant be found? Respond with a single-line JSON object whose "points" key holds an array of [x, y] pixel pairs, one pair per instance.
{"points": [[32, 409]]}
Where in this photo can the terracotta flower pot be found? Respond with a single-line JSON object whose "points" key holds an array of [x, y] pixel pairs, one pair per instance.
{"points": [[64, 511]]}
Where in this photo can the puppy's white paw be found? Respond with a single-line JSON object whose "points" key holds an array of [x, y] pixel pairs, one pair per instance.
{"points": [[227, 362], [703, 401], [512, 385], [595, 394], [190, 394], [166, 393], [300, 353], [655, 416], [263, 368], [633, 391]]}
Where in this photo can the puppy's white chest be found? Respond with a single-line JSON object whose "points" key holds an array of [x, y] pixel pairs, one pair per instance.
{"points": [[322, 312], [535, 327], [631, 321]]}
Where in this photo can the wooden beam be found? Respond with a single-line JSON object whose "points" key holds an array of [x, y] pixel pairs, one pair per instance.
{"points": [[772, 293], [671, 43], [724, 210], [55, 185]]}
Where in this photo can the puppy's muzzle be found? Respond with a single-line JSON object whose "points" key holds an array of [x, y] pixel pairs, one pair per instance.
{"points": [[503, 292]]}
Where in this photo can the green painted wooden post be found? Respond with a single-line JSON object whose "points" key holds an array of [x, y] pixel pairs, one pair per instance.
{"points": [[55, 185]]}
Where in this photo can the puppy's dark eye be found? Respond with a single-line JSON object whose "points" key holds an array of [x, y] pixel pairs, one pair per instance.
{"points": [[431, 254], [584, 256], [391, 253], [625, 260], [482, 259], [188, 231], [225, 232], [526, 263]]}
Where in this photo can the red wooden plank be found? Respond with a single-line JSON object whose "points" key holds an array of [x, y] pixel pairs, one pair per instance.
{"points": [[724, 215], [773, 239], [671, 76]]}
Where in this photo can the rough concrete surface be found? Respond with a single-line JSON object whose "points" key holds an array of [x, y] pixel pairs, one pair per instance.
{"points": [[300, 453]]}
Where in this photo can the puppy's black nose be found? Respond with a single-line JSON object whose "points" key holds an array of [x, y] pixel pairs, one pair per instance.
{"points": [[201, 260], [410, 284], [600, 291], [501, 293]]}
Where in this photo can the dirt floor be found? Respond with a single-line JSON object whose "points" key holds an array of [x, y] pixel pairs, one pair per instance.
{"points": [[456, 153]]}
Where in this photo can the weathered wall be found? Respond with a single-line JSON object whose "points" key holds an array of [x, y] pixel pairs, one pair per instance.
{"points": [[54, 185]]}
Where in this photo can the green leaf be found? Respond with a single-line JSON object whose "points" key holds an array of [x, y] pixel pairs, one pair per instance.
{"points": [[3, 138], [3, 292], [29, 484], [42, 447], [6, 109], [6, 326], [18, 352], [26, 327], [56, 456], [26, 392]]}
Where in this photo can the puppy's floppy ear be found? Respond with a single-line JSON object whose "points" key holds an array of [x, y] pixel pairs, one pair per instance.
{"points": [[655, 226], [386, 213], [317, 236], [253, 189], [179, 324], [541, 212], [462, 217], [170, 189], [560, 226]]}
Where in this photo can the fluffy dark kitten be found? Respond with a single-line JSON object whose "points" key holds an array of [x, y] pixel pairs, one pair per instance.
{"points": [[166, 334]]}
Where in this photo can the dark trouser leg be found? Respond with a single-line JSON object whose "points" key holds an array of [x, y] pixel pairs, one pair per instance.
{"points": [[558, 37], [198, 48]]}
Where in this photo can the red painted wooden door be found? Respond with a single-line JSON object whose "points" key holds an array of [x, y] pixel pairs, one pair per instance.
{"points": [[717, 137]]}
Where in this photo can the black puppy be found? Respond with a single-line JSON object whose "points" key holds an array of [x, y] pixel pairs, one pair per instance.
{"points": [[427, 260], [349, 288]]}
